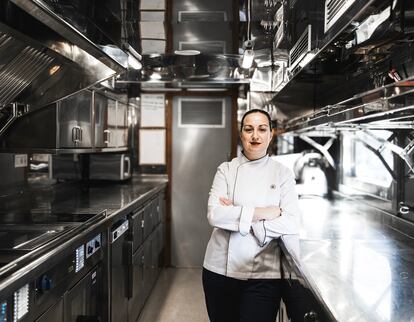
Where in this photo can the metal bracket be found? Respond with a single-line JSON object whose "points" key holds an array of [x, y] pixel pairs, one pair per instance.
{"points": [[12, 117], [321, 148], [404, 153], [17, 110]]}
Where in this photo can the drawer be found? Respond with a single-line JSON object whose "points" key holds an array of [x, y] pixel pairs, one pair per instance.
{"points": [[137, 228], [136, 302], [148, 219]]}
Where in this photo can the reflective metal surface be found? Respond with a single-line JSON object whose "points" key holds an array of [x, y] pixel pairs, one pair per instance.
{"points": [[355, 262], [197, 151]]}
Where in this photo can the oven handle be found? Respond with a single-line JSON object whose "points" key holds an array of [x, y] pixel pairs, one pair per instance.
{"points": [[129, 279]]}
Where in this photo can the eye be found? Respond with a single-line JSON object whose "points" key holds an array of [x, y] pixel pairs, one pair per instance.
{"points": [[248, 130]]}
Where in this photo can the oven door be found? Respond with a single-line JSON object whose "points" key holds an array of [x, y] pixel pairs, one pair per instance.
{"points": [[81, 301]]}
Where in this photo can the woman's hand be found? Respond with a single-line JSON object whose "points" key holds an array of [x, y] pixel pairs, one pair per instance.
{"points": [[225, 202], [268, 213]]}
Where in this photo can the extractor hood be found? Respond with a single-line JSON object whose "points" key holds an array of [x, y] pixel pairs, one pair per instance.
{"points": [[43, 59]]}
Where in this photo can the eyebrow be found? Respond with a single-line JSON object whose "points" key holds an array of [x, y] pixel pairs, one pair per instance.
{"points": [[264, 124]]}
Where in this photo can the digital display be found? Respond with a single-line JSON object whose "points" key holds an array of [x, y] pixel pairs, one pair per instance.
{"points": [[3, 311], [79, 258]]}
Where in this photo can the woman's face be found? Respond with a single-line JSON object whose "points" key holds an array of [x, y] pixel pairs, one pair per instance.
{"points": [[255, 135]]}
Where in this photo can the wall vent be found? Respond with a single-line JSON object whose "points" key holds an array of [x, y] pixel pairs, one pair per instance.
{"points": [[301, 48], [206, 47], [201, 113], [202, 16], [334, 9], [21, 70]]}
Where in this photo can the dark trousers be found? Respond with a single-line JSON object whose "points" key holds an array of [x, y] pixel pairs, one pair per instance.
{"points": [[253, 300]]}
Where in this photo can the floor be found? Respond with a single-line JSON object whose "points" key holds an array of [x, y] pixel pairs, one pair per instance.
{"points": [[177, 297]]}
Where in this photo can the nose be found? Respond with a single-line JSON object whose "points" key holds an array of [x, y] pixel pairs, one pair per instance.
{"points": [[255, 135]]}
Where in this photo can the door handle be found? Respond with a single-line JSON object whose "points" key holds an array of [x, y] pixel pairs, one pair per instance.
{"points": [[127, 172], [76, 134], [107, 136]]}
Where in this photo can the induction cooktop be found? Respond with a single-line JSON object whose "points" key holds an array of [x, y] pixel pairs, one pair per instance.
{"points": [[30, 233], [50, 217]]}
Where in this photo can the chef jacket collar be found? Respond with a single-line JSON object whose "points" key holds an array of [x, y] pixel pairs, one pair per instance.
{"points": [[244, 159]]}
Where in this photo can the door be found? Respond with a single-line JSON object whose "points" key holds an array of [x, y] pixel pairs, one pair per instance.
{"points": [[122, 125], [101, 119], [75, 125], [110, 130], [201, 136], [82, 302]]}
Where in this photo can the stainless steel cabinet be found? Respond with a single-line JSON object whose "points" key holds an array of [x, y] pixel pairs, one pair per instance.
{"points": [[111, 122], [145, 252], [121, 137], [105, 121], [86, 122], [75, 121]]}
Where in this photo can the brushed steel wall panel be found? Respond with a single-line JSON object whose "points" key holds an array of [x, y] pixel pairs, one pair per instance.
{"points": [[196, 154]]}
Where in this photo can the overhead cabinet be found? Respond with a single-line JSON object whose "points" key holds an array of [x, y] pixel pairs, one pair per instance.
{"points": [[111, 122], [86, 122], [74, 120]]}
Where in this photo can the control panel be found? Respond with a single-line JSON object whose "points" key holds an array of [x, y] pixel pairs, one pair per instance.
{"points": [[3, 311], [21, 302], [120, 230], [93, 245], [79, 258]]}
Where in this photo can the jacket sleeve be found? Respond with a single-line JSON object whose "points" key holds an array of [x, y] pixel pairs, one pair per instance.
{"points": [[289, 221], [234, 218]]}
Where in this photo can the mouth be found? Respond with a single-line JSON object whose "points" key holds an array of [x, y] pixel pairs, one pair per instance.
{"points": [[255, 143]]}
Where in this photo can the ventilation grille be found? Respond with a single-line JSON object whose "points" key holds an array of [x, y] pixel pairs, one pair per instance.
{"points": [[202, 16], [301, 48], [206, 47], [18, 73], [201, 113], [334, 9]]}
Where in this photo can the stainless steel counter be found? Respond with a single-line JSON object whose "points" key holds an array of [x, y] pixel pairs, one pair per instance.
{"points": [[359, 266], [37, 204]]}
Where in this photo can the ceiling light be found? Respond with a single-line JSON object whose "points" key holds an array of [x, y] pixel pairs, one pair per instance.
{"points": [[206, 89], [155, 76], [161, 89], [187, 52], [53, 69]]}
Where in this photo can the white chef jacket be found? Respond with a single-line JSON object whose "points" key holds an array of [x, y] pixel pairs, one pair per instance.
{"points": [[238, 247]]}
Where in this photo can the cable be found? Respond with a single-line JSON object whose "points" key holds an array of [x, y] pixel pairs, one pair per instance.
{"points": [[249, 18]]}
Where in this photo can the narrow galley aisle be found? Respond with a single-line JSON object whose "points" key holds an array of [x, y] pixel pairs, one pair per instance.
{"points": [[177, 297]]}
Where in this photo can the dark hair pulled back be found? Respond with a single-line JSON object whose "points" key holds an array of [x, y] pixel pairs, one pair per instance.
{"points": [[256, 110]]}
